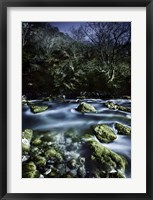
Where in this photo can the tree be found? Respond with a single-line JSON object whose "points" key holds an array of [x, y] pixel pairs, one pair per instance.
{"points": [[112, 41]]}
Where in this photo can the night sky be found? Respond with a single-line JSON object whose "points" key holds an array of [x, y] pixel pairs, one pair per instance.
{"points": [[65, 26]]}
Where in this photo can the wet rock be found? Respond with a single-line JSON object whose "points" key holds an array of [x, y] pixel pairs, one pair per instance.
{"points": [[25, 146], [36, 142], [54, 173], [25, 158], [104, 133], [122, 129], [72, 163], [27, 134], [113, 106], [48, 138], [39, 161], [116, 175], [54, 155], [31, 174], [104, 159], [29, 166], [81, 172], [38, 109], [34, 151], [71, 135], [29, 170], [85, 107]]}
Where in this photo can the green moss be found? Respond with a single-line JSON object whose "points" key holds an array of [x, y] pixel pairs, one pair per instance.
{"points": [[25, 147], [53, 154], [30, 166], [31, 174], [28, 134], [113, 106], [104, 133], [122, 129], [48, 138], [85, 107], [39, 161], [38, 109], [36, 142], [105, 159], [34, 151]]}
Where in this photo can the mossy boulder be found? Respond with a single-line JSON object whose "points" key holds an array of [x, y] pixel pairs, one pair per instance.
{"points": [[29, 170], [122, 129], [31, 174], [104, 133], [85, 107], [25, 145], [27, 134], [38, 109], [39, 161], [53, 154], [30, 166], [36, 142], [104, 159], [113, 106]]}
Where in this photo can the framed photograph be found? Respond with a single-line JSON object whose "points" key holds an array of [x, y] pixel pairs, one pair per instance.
{"points": [[76, 99]]}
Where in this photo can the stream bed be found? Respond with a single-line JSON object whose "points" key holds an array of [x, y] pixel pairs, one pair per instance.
{"points": [[64, 131]]}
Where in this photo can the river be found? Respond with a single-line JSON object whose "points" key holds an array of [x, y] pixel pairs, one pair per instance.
{"points": [[62, 116]]}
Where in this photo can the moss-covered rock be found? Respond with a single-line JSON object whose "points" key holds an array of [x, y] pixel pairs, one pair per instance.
{"points": [[104, 133], [122, 129], [49, 137], [38, 109], [36, 142], [31, 174], [85, 107], [27, 134], [104, 159], [30, 166], [25, 146], [113, 106], [40, 161], [29, 170], [53, 154]]}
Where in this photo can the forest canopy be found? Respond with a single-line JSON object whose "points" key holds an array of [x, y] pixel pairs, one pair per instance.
{"points": [[92, 59]]}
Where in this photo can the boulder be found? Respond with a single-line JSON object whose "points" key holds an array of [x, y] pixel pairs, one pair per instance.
{"points": [[27, 134], [104, 133], [39, 161], [122, 129], [85, 107], [104, 160], [36, 142], [37, 109], [29, 170], [113, 106], [54, 155]]}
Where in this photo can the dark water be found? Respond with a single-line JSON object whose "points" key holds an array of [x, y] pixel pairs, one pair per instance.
{"points": [[63, 116]]}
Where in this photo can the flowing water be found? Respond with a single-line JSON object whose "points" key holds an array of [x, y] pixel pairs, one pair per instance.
{"points": [[62, 116]]}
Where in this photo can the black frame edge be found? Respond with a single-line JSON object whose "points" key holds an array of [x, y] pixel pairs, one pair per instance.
{"points": [[3, 101], [149, 98], [76, 3]]}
